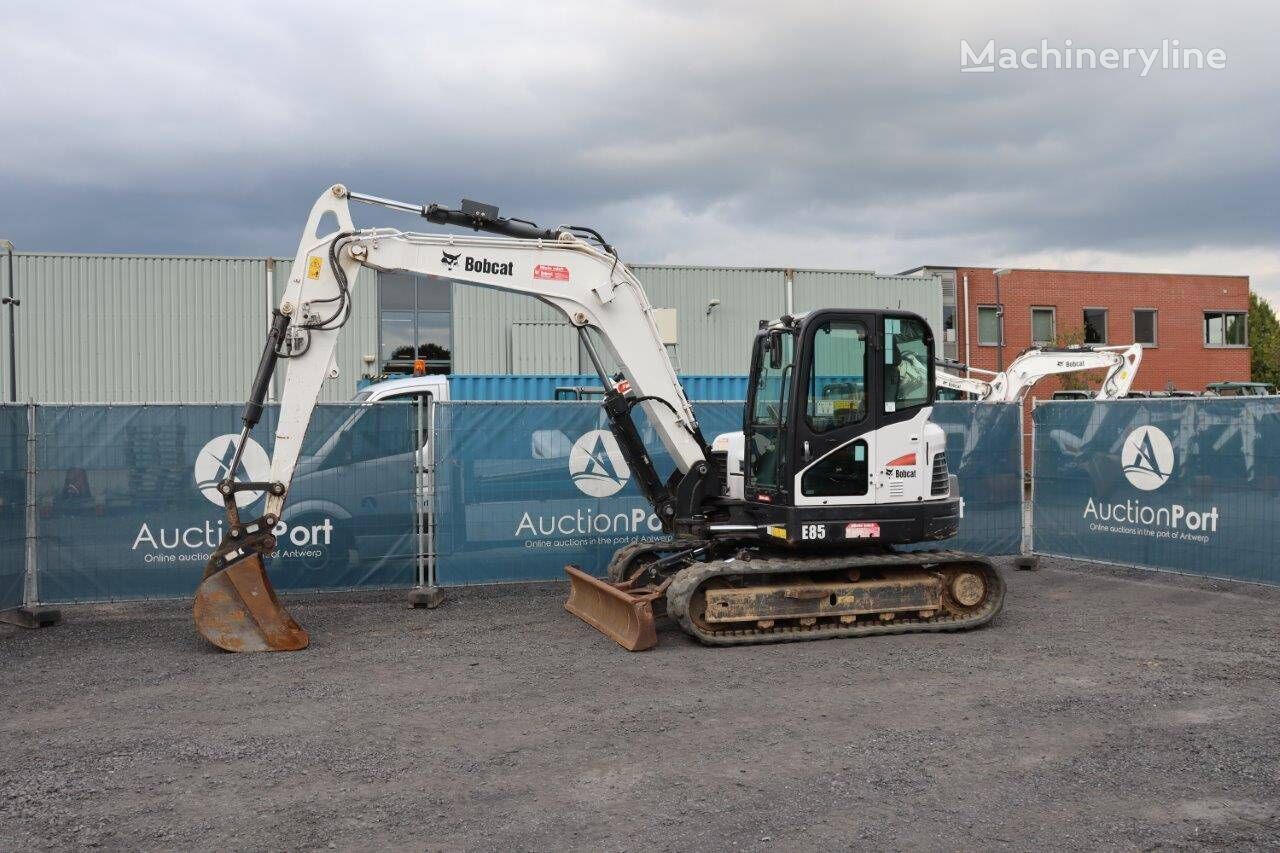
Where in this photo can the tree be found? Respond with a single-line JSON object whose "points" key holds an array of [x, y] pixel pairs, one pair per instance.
{"points": [[1081, 380], [1264, 337]]}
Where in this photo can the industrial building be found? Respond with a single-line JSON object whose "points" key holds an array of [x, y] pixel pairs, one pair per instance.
{"points": [[147, 328], [154, 328], [1193, 328]]}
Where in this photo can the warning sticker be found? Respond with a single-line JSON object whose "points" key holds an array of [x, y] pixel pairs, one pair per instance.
{"points": [[313, 267], [551, 273], [862, 530]]}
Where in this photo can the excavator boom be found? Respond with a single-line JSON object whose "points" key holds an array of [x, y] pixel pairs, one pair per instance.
{"points": [[1013, 383], [571, 268]]}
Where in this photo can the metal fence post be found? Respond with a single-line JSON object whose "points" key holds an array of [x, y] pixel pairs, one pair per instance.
{"points": [[31, 614], [426, 593], [418, 495], [429, 476], [1027, 560]]}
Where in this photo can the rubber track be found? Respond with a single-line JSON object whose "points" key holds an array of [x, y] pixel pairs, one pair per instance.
{"points": [[689, 579]]}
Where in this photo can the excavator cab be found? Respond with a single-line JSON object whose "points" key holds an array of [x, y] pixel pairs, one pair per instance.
{"points": [[828, 381], [836, 424]]}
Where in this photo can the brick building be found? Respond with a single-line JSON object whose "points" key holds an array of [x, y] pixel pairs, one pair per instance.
{"points": [[1194, 326]]}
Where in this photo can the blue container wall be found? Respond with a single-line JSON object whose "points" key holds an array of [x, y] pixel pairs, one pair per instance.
{"points": [[512, 387], [714, 387], [501, 386]]}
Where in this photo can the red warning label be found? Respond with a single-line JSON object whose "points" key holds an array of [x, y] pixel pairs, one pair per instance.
{"points": [[862, 530], [551, 273]]}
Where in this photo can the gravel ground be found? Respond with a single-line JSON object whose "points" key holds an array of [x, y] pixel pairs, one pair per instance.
{"points": [[1103, 709]]}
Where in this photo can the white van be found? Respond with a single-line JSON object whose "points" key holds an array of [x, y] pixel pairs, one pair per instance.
{"points": [[346, 476]]}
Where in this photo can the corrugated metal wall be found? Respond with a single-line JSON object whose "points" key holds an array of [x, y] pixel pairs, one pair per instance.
{"points": [[156, 329], [538, 348], [495, 332], [719, 342], [482, 324], [101, 328], [837, 289]]}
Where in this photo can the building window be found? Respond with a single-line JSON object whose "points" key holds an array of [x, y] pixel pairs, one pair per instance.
{"points": [[1095, 325], [990, 326], [1144, 326], [1044, 326], [1225, 329], [414, 322]]}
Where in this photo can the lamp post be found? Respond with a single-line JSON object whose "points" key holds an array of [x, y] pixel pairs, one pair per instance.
{"points": [[12, 304], [999, 321]]}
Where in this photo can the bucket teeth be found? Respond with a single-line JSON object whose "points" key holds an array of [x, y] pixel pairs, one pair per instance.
{"points": [[624, 616], [236, 609]]}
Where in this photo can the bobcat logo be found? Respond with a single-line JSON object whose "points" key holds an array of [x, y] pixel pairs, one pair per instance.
{"points": [[449, 260], [1147, 458]]}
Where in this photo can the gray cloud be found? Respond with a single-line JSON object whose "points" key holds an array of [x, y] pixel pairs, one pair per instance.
{"points": [[808, 134]]}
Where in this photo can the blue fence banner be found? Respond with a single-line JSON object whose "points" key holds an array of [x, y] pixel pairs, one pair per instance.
{"points": [[13, 499], [524, 488], [1189, 485], [128, 507], [984, 451]]}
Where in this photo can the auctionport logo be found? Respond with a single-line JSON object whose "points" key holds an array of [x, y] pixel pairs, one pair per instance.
{"points": [[163, 545], [213, 464], [596, 464], [1147, 458], [1147, 461], [1169, 55]]}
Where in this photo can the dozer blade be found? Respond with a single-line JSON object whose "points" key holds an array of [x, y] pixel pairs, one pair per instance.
{"points": [[236, 609], [615, 611]]}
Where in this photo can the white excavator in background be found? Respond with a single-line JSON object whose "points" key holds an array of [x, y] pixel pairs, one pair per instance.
{"points": [[1013, 383], [841, 461]]}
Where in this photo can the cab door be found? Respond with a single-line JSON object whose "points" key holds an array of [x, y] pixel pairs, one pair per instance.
{"points": [[902, 460], [769, 411], [836, 411]]}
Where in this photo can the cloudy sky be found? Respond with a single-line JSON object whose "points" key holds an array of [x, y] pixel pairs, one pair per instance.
{"points": [[782, 134]]}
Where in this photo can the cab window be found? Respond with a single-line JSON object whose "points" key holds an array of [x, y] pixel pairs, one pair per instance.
{"points": [[770, 397], [907, 360], [838, 376]]}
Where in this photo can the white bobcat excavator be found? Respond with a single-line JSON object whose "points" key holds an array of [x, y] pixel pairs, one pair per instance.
{"points": [[839, 460], [1013, 383]]}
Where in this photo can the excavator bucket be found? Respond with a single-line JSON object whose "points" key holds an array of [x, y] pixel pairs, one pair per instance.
{"points": [[615, 610], [236, 609]]}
